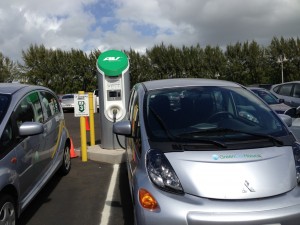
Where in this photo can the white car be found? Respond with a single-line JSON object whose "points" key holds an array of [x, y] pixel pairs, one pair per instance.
{"points": [[67, 102], [289, 91], [96, 99]]}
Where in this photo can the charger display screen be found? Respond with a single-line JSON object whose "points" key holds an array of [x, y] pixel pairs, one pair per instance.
{"points": [[114, 95]]}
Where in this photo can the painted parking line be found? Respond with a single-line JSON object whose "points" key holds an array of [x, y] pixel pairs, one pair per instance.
{"points": [[109, 197]]}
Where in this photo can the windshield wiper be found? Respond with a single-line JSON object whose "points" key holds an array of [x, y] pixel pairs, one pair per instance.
{"points": [[270, 137], [228, 130], [186, 137]]}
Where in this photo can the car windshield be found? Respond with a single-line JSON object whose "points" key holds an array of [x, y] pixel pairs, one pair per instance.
{"points": [[68, 97], [268, 97], [210, 114], [4, 103]]}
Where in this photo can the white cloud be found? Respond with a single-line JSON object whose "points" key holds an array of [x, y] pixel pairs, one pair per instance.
{"points": [[125, 24]]}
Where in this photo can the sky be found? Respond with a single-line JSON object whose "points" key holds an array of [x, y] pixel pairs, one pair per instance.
{"points": [[141, 24]]}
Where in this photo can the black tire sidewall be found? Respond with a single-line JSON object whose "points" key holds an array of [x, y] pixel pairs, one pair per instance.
{"points": [[63, 169], [4, 198]]}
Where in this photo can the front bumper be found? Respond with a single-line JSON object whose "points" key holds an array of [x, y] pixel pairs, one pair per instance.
{"points": [[67, 106], [192, 210]]}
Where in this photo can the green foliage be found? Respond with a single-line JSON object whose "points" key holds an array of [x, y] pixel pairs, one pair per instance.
{"points": [[64, 72], [72, 71], [8, 69]]}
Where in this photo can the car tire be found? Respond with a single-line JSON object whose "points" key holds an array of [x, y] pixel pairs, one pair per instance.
{"points": [[66, 164], [8, 212]]}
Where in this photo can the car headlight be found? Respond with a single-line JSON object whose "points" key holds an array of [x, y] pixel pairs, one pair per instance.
{"points": [[296, 150], [161, 172]]}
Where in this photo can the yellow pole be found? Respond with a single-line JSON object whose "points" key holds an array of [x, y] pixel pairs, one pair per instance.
{"points": [[92, 120], [83, 136]]}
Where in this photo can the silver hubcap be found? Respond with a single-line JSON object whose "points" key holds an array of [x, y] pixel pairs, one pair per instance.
{"points": [[67, 157], [7, 214]]}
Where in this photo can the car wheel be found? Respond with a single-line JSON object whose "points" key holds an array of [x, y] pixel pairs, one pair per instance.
{"points": [[8, 213], [66, 165]]}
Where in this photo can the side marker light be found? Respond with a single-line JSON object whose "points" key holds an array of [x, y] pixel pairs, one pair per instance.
{"points": [[147, 200]]}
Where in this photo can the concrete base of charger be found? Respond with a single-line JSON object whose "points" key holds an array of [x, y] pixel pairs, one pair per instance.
{"points": [[96, 153]]}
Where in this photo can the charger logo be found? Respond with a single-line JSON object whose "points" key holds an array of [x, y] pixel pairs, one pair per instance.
{"points": [[111, 58]]}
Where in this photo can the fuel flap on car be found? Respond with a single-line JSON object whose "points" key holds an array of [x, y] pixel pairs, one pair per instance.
{"points": [[235, 174]]}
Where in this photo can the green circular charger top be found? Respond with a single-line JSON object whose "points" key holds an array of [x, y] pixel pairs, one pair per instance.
{"points": [[112, 62]]}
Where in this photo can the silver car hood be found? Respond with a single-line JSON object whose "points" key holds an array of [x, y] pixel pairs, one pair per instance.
{"points": [[242, 174]]}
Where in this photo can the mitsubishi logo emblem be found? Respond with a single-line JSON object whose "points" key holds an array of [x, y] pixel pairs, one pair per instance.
{"points": [[247, 185]]}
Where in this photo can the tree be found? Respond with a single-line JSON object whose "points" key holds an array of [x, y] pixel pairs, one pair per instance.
{"points": [[253, 54], [8, 69], [246, 63], [63, 72], [214, 62], [235, 63]]}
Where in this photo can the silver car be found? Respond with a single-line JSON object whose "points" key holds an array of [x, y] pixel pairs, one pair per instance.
{"points": [[67, 102], [275, 103], [220, 155], [289, 91], [34, 144]]}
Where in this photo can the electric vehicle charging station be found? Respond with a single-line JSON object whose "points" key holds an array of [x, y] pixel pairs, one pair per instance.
{"points": [[113, 90]]}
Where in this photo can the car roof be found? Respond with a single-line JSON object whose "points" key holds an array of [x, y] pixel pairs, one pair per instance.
{"points": [[290, 82], [186, 82], [12, 88], [257, 88]]}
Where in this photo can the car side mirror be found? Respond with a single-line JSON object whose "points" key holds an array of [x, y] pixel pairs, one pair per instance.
{"points": [[122, 128], [286, 119], [31, 128]]}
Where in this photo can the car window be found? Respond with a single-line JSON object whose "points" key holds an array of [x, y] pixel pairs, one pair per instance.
{"points": [[36, 106], [204, 108], [130, 103], [4, 103], [219, 101], [296, 91], [135, 124], [266, 96], [276, 89], [50, 104], [285, 89], [7, 139], [68, 97], [27, 111]]}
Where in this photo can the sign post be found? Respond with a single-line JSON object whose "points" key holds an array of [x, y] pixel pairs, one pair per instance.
{"points": [[81, 109], [81, 105]]}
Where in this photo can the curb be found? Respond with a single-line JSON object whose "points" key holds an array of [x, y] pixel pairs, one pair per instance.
{"points": [[96, 153]]}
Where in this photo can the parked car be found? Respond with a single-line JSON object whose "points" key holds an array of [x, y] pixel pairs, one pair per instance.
{"points": [[275, 103], [67, 102], [289, 91], [221, 156], [96, 99], [34, 144]]}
